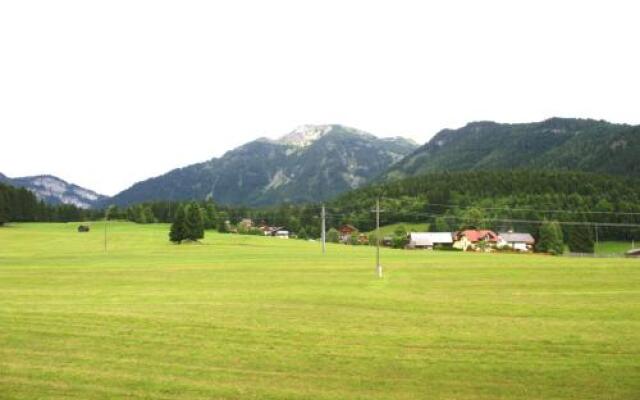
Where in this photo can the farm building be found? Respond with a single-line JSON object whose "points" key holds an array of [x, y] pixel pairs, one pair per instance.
{"points": [[346, 231], [516, 241], [387, 241], [426, 240], [276, 231], [475, 239], [633, 253]]}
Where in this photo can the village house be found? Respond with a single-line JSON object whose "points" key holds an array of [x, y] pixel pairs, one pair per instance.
{"points": [[427, 240], [516, 241], [475, 240], [635, 253], [346, 231], [387, 241], [245, 223], [276, 231]]}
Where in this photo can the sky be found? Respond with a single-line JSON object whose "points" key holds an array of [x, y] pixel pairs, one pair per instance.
{"points": [[107, 93]]}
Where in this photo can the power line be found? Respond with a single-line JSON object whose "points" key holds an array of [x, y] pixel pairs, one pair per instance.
{"points": [[509, 220], [535, 210]]}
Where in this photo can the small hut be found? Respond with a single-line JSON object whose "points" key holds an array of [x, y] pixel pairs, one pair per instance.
{"points": [[635, 253]]}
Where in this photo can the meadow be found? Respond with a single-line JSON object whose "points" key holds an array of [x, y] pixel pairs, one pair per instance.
{"points": [[613, 248], [245, 317]]}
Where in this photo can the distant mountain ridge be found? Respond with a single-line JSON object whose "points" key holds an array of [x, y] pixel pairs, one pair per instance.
{"points": [[318, 162], [557, 143], [311, 163], [53, 190]]}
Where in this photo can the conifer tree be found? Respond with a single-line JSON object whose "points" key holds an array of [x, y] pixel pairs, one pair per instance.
{"points": [[3, 208], [194, 222], [177, 233], [550, 240], [580, 239]]}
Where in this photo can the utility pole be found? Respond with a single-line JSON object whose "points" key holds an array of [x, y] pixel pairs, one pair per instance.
{"points": [[106, 221], [324, 232], [378, 266], [595, 248]]}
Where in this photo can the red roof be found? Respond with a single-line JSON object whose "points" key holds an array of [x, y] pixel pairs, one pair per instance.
{"points": [[478, 235], [348, 229]]}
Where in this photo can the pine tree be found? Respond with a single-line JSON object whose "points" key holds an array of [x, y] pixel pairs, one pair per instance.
{"points": [[550, 240], [147, 215], [177, 233], [194, 222], [580, 239], [3, 207]]}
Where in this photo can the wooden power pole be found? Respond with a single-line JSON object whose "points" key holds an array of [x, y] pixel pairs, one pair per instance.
{"points": [[324, 232], [106, 221], [378, 266]]}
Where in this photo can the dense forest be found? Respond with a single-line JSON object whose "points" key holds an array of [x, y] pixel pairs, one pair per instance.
{"points": [[520, 200], [21, 205], [499, 200], [554, 144]]}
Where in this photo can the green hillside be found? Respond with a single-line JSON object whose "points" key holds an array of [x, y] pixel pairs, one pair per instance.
{"points": [[387, 230], [501, 200], [555, 144]]}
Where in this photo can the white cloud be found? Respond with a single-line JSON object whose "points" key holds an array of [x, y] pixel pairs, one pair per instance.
{"points": [[107, 93]]}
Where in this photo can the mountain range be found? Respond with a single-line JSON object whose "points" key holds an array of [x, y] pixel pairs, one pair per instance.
{"points": [[318, 162], [53, 190], [312, 163]]}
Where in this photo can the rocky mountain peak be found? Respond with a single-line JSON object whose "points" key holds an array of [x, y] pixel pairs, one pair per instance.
{"points": [[305, 135], [54, 190]]}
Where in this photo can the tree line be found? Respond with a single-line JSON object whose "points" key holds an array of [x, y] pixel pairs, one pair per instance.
{"points": [[21, 205], [500, 200]]}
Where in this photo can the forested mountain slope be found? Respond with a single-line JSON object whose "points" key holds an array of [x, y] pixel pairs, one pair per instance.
{"points": [[502, 199], [312, 163], [554, 144]]}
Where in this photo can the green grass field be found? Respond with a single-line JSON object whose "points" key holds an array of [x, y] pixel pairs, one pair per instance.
{"points": [[245, 317], [613, 248]]}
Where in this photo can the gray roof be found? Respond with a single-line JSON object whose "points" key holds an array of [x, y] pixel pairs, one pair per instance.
{"points": [[515, 237], [430, 238]]}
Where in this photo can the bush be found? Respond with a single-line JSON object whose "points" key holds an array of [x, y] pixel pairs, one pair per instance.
{"points": [[333, 236], [372, 239], [302, 234], [400, 237]]}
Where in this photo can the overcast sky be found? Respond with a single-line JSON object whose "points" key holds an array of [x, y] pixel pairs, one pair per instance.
{"points": [[107, 93]]}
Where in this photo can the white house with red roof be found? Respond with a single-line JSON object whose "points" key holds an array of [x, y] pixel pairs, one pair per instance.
{"points": [[475, 239]]}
